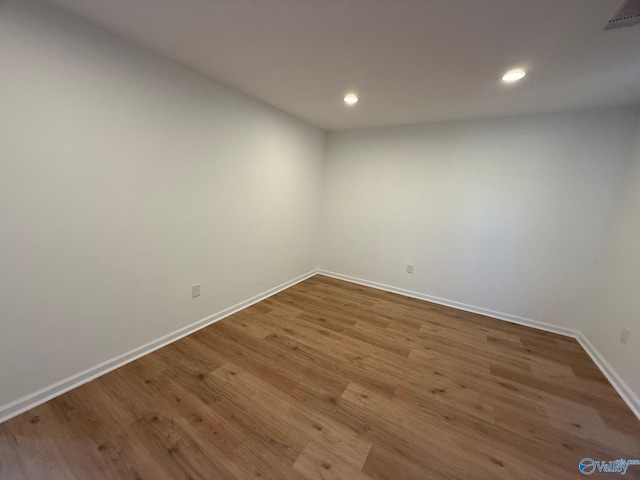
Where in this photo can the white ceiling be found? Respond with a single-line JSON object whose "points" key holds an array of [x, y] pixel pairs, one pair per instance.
{"points": [[409, 60]]}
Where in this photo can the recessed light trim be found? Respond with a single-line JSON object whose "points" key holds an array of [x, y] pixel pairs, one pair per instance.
{"points": [[513, 75], [351, 99]]}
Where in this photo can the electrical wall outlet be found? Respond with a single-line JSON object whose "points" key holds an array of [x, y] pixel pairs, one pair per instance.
{"points": [[624, 335], [409, 268], [195, 290]]}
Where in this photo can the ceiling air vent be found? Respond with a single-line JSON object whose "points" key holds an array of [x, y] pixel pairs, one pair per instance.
{"points": [[627, 15]]}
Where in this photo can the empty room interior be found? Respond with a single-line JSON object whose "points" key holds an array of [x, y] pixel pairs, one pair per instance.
{"points": [[320, 239]]}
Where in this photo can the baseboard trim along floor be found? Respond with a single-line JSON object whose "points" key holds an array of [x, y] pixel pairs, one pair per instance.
{"points": [[450, 303], [39, 397], [630, 398]]}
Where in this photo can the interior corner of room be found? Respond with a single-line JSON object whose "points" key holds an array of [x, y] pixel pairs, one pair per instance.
{"points": [[129, 182]]}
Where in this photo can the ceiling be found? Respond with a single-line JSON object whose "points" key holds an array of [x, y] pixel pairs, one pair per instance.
{"points": [[409, 61]]}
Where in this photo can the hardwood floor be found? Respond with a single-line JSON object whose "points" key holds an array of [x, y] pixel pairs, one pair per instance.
{"points": [[332, 380]]}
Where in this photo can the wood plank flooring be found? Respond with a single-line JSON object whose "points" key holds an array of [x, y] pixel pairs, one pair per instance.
{"points": [[331, 380]]}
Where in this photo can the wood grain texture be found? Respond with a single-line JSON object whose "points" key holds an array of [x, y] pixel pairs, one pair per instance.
{"points": [[331, 380]]}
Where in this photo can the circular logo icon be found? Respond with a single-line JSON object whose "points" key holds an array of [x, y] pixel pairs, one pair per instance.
{"points": [[587, 466]]}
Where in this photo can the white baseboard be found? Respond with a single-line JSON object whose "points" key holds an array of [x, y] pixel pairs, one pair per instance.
{"points": [[630, 398], [460, 306], [39, 397]]}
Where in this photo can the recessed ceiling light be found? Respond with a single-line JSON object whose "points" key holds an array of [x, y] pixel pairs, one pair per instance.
{"points": [[351, 99], [513, 75]]}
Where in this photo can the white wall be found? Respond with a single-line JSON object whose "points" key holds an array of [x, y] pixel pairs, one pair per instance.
{"points": [[615, 300], [124, 179], [508, 215]]}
